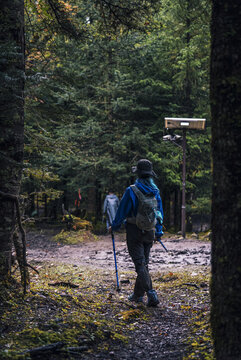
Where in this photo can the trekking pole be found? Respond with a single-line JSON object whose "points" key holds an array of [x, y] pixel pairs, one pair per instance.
{"points": [[159, 240], [116, 271]]}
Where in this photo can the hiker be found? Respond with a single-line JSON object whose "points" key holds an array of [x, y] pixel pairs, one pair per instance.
{"points": [[110, 207], [139, 242]]}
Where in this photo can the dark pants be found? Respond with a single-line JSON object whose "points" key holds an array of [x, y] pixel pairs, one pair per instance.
{"points": [[139, 244]]}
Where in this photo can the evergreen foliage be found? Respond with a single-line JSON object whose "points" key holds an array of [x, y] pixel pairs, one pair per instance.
{"points": [[96, 104]]}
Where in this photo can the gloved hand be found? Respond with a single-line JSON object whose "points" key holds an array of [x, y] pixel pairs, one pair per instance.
{"points": [[158, 239], [159, 234]]}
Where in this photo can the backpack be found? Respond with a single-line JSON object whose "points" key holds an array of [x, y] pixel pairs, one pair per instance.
{"points": [[146, 212], [111, 202], [111, 207]]}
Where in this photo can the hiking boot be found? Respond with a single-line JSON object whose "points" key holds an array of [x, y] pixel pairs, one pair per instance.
{"points": [[152, 298], [135, 298]]}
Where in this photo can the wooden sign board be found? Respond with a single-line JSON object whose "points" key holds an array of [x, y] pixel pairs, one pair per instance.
{"points": [[185, 123]]}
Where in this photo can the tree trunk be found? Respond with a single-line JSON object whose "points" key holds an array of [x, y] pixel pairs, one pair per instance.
{"points": [[18, 245], [11, 120], [226, 205], [166, 208], [177, 212]]}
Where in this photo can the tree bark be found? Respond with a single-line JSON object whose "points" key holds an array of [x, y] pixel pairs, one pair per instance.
{"points": [[11, 121], [226, 204], [18, 245]]}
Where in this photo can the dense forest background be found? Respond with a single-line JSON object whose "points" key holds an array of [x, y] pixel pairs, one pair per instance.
{"points": [[96, 96], [100, 77]]}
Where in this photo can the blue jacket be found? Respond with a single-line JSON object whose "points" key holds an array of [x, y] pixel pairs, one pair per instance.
{"points": [[129, 204]]}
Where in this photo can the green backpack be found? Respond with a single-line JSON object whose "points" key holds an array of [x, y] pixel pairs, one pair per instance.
{"points": [[146, 212]]}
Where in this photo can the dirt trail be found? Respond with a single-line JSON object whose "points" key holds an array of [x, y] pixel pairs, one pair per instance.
{"points": [[164, 336], [182, 254]]}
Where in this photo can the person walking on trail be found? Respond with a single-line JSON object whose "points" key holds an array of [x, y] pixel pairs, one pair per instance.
{"points": [[110, 207], [139, 241]]}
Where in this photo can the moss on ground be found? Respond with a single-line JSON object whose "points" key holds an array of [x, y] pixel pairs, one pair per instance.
{"points": [[65, 304], [80, 307], [189, 293], [70, 237]]}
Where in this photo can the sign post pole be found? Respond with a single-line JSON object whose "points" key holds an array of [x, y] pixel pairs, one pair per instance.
{"points": [[183, 124], [183, 219]]}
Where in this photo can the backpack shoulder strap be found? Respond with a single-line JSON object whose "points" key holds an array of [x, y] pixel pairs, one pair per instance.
{"points": [[138, 192]]}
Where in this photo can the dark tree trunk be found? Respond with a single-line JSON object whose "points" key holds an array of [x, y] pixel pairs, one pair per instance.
{"points": [[11, 120], [177, 212], [166, 208], [18, 245], [226, 208]]}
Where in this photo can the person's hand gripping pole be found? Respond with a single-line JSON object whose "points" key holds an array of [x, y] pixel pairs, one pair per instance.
{"points": [[160, 220]]}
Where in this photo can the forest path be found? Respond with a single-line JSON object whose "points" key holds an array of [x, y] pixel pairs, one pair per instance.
{"points": [[164, 336], [182, 255]]}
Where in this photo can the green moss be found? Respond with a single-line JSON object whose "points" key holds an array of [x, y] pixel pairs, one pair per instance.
{"points": [[50, 314], [121, 337], [205, 235], [33, 337], [199, 342], [74, 237]]}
